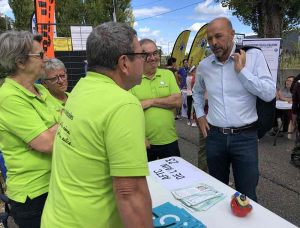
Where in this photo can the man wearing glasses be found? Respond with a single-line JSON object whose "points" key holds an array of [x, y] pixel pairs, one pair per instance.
{"points": [[159, 95], [99, 162], [56, 80]]}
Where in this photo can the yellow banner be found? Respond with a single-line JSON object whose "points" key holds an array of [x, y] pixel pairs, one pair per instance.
{"points": [[179, 48], [62, 44], [198, 48]]}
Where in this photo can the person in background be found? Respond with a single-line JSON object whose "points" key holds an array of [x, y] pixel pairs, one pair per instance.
{"points": [[56, 80], [190, 81], [283, 94], [183, 73], [233, 81], [28, 123], [159, 95], [99, 163]]}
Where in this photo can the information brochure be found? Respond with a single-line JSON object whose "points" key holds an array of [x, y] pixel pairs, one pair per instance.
{"points": [[168, 215], [199, 197]]}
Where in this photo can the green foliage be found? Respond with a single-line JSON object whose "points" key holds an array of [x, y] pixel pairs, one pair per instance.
{"points": [[2, 24], [68, 12], [22, 9], [290, 59], [91, 12], [99, 11], [268, 18]]}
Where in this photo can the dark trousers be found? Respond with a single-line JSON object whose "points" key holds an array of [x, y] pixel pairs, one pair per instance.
{"points": [[163, 151], [189, 101], [28, 214], [241, 151]]}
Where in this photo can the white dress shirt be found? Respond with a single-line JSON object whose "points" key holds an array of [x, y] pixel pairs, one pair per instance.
{"points": [[232, 95]]}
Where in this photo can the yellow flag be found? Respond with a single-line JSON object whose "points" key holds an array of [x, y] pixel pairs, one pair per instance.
{"points": [[178, 51], [197, 51]]}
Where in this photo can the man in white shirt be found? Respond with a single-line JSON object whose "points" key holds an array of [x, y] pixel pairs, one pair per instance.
{"points": [[233, 82]]}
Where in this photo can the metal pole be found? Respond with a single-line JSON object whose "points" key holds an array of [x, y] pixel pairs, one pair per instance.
{"points": [[114, 13]]}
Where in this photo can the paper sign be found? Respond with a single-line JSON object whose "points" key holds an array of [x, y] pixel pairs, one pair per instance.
{"points": [[271, 48], [174, 172]]}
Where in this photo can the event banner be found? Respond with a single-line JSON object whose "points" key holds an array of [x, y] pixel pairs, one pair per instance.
{"points": [[198, 48], [179, 48], [44, 12], [271, 49]]}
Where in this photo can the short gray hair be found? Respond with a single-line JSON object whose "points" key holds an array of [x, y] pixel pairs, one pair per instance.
{"points": [[54, 64], [146, 40], [107, 42], [15, 47]]}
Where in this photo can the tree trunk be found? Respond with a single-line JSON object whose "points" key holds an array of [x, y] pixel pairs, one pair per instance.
{"points": [[270, 20]]}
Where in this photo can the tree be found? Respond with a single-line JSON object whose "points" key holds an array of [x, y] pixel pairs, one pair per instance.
{"points": [[268, 18], [99, 11], [2, 24], [22, 10], [68, 12]]}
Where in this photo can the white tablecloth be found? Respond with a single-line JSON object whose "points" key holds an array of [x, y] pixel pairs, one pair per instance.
{"points": [[219, 215], [283, 105]]}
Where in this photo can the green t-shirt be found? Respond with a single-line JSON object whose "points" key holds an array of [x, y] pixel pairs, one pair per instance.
{"points": [[159, 122], [101, 136], [24, 116]]}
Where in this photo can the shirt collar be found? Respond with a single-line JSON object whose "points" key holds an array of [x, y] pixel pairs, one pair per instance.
{"points": [[156, 75], [21, 88], [98, 76]]}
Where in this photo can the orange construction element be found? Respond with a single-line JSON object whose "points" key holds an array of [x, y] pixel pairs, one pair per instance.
{"points": [[45, 11]]}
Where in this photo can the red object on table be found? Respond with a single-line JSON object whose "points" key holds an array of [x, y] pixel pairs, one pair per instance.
{"points": [[240, 205]]}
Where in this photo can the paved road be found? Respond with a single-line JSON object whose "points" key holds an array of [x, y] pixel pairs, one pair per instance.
{"points": [[279, 184]]}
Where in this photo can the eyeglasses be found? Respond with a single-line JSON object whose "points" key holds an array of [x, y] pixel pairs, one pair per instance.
{"points": [[145, 55], [37, 55], [142, 54], [55, 79], [154, 54]]}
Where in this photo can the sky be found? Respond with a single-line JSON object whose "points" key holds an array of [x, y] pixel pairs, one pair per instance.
{"points": [[164, 20]]}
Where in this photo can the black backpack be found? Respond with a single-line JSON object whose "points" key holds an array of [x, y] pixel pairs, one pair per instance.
{"points": [[265, 110]]}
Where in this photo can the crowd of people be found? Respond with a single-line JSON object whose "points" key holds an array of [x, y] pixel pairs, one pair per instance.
{"points": [[71, 157]]}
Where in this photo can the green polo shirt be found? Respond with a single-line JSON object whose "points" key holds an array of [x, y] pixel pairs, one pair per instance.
{"points": [[159, 122], [101, 136], [24, 116]]}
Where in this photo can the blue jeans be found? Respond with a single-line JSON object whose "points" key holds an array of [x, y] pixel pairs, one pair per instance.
{"points": [[241, 151]]}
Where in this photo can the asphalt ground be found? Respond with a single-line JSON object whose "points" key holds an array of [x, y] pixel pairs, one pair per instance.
{"points": [[279, 182]]}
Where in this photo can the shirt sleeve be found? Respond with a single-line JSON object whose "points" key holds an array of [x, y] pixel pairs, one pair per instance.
{"points": [[198, 94], [260, 82], [125, 142], [21, 119]]}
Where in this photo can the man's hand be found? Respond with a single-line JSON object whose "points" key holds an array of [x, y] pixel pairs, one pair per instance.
{"points": [[203, 124], [147, 103], [239, 60]]}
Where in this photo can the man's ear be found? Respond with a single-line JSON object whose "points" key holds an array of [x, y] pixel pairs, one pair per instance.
{"points": [[123, 64]]}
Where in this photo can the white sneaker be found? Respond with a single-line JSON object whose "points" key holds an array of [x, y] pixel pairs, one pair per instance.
{"points": [[194, 124], [189, 123]]}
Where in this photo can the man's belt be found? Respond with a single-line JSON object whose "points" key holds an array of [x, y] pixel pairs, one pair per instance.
{"points": [[235, 130]]}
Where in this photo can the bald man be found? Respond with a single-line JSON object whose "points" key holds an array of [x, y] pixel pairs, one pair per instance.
{"points": [[233, 80]]}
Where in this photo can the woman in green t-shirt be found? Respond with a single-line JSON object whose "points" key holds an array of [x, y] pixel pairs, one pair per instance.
{"points": [[28, 123]]}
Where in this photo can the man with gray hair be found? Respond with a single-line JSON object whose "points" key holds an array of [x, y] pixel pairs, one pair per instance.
{"points": [[99, 162], [56, 80]]}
